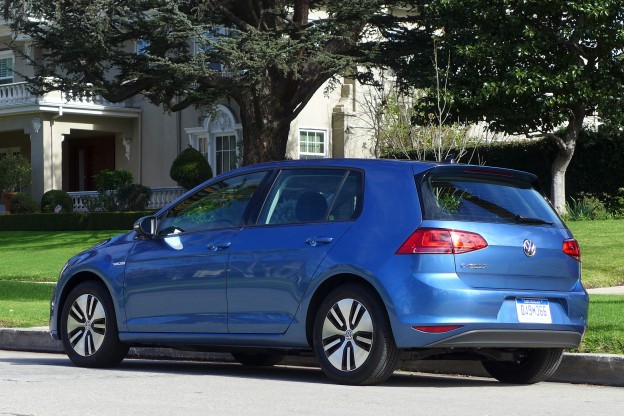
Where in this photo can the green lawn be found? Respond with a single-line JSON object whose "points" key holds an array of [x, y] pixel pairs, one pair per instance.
{"points": [[601, 251], [38, 256], [605, 332]]}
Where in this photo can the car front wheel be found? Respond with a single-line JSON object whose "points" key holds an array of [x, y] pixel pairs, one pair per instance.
{"points": [[352, 337], [533, 366], [89, 328]]}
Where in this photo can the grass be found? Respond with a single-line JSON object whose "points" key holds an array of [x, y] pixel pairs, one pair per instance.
{"points": [[30, 257], [605, 333], [38, 256], [601, 251], [24, 304]]}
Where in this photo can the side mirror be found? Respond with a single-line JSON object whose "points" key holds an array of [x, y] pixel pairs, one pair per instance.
{"points": [[146, 226]]}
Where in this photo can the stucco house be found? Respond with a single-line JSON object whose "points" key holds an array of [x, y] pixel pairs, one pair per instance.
{"points": [[69, 140]]}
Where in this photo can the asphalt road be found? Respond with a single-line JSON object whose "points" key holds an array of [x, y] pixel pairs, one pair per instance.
{"points": [[48, 384]]}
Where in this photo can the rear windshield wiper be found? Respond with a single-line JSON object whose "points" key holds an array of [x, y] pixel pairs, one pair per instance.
{"points": [[528, 220]]}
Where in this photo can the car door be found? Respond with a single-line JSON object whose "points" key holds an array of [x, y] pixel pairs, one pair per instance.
{"points": [[176, 281], [272, 262]]}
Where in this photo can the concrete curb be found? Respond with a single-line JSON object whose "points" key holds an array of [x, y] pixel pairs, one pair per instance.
{"points": [[600, 369]]}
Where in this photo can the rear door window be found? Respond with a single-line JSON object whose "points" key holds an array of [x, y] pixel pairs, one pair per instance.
{"points": [[483, 198], [313, 195]]}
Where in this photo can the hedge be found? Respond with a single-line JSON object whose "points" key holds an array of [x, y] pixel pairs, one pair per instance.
{"points": [[596, 168], [91, 221]]}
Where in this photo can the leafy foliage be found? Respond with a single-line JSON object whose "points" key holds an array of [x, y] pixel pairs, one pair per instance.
{"points": [[134, 197], [270, 56], [14, 173], [23, 203], [190, 168], [523, 67], [51, 199], [108, 183]]}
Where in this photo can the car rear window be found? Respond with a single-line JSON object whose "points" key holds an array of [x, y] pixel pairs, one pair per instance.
{"points": [[484, 198]]}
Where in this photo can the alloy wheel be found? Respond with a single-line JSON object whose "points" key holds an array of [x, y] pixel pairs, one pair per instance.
{"points": [[86, 325]]}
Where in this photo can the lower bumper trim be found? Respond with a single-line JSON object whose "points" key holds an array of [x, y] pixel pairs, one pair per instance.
{"points": [[501, 338]]}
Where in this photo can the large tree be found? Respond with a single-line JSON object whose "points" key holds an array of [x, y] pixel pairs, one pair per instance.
{"points": [[268, 55], [533, 67]]}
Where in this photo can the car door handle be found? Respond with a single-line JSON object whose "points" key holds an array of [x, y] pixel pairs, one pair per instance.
{"points": [[218, 246], [316, 241]]}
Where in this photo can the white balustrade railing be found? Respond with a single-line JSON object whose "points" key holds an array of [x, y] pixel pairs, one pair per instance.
{"points": [[160, 198], [18, 93]]}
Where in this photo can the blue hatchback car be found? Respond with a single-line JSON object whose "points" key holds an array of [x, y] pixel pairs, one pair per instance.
{"points": [[362, 262]]}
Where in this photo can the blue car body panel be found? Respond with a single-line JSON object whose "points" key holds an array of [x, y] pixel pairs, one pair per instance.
{"points": [[257, 289]]}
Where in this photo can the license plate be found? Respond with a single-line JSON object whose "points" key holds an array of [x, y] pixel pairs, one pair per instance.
{"points": [[533, 311]]}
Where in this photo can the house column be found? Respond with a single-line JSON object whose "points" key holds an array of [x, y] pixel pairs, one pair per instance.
{"points": [[37, 157], [46, 138]]}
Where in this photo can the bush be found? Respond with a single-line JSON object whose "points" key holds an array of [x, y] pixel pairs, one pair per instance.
{"points": [[586, 207], [190, 169], [108, 183], [23, 203], [51, 199], [71, 222], [14, 173], [133, 197]]}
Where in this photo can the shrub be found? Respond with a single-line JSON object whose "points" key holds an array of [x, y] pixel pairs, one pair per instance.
{"points": [[23, 203], [52, 198], [133, 197], [14, 173], [190, 168], [586, 207], [108, 182]]}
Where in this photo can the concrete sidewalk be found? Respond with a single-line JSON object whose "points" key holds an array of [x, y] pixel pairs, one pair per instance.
{"points": [[601, 369]]}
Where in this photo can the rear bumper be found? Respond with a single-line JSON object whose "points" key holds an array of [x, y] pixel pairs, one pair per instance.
{"points": [[501, 338]]}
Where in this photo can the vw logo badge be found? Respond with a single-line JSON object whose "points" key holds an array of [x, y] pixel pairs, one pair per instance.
{"points": [[529, 248]]}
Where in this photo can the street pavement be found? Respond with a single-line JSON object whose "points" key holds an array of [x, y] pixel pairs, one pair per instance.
{"points": [[600, 369]]}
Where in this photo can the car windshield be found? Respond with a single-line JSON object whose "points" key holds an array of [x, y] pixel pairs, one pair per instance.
{"points": [[479, 198]]}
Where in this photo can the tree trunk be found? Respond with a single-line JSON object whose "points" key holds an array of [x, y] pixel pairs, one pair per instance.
{"points": [[266, 126], [566, 145]]}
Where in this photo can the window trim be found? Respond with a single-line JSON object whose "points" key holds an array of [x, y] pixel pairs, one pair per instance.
{"points": [[11, 56], [325, 153]]}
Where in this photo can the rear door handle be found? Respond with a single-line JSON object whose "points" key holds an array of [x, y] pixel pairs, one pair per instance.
{"points": [[316, 241], [218, 246]]}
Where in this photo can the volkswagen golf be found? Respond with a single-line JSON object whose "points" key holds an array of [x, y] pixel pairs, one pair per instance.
{"points": [[362, 262]]}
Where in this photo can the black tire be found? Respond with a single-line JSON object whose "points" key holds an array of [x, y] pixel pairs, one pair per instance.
{"points": [[89, 327], [537, 365], [359, 350], [258, 359]]}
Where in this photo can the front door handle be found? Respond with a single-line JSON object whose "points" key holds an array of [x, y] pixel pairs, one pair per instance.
{"points": [[218, 246], [316, 241]]}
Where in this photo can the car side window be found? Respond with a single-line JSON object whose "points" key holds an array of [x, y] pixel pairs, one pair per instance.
{"points": [[219, 205], [312, 195]]}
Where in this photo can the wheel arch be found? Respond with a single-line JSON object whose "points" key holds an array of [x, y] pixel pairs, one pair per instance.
{"points": [[330, 284], [77, 279]]}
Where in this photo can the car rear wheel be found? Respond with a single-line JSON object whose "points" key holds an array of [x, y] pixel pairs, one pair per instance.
{"points": [[89, 328], [352, 337], [534, 366], [249, 359]]}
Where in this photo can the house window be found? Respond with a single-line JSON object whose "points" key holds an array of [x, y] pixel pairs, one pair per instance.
{"points": [[225, 153], [202, 147], [312, 144], [6, 68]]}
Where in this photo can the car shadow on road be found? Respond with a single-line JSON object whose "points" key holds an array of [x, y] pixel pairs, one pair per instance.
{"points": [[277, 373]]}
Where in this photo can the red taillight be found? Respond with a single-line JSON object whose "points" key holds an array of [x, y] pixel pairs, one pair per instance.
{"points": [[571, 248], [441, 241], [436, 329]]}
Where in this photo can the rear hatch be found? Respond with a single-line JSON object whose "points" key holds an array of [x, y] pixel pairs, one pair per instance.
{"points": [[524, 246]]}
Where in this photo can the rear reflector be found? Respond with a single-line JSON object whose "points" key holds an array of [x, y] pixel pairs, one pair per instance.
{"points": [[436, 329], [571, 248], [441, 241]]}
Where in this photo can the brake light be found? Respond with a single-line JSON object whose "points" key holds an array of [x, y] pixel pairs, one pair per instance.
{"points": [[441, 241], [571, 248]]}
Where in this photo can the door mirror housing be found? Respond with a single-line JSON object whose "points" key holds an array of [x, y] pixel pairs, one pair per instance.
{"points": [[146, 226]]}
